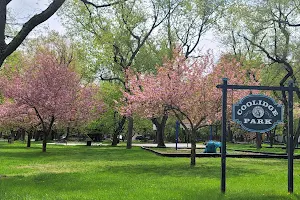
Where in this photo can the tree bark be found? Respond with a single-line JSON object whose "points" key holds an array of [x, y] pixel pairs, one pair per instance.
{"points": [[118, 131], [114, 140], [45, 135], [25, 30], [271, 138], [47, 131], [12, 136], [230, 134], [3, 11], [130, 131], [258, 140], [68, 133], [160, 130], [29, 136], [193, 147]]}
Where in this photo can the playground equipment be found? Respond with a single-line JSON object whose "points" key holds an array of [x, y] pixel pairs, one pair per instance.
{"points": [[211, 146]]}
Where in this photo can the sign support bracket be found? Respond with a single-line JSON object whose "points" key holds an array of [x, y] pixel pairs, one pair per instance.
{"points": [[290, 89]]}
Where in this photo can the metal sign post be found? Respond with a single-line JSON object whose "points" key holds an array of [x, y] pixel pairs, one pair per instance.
{"points": [[264, 113], [290, 141], [223, 139], [177, 132], [210, 133]]}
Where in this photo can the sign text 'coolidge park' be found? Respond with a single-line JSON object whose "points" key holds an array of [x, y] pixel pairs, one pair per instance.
{"points": [[257, 113]]}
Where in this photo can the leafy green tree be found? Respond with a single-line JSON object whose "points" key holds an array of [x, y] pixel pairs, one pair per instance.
{"points": [[269, 29], [123, 34], [7, 47]]}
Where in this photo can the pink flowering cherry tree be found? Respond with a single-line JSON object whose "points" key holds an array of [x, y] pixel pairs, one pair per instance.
{"points": [[53, 92], [13, 116], [186, 89]]}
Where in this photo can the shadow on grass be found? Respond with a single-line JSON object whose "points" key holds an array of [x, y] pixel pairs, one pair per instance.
{"points": [[182, 169], [78, 186], [77, 153], [19, 146]]}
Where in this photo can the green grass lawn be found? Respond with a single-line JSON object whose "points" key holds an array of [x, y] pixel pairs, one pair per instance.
{"points": [[252, 147], [231, 149], [81, 172]]}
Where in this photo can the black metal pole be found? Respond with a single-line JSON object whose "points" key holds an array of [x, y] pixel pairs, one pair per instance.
{"points": [[177, 133], [223, 148], [290, 140]]}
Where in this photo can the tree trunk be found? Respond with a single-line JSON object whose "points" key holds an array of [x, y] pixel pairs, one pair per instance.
{"points": [[44, 141], [258, 140], [11, 138], [160, 137], [6, 50], [297, 134], [23, 135], [271, 138], [68, 133], [130, 131], [45, 138], [29, 139], [160, 130], [115, 140], [230, 134], [193, 147], [118, 130]]}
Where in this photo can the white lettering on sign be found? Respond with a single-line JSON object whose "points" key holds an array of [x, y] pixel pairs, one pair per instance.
{"points": [[257, 121], [260, 103]]}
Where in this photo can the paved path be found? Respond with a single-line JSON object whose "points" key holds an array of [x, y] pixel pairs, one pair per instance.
{"points": [[180, 145]]}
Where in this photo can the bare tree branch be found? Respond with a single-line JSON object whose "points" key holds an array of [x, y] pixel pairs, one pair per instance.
{"points": [[102, 5], [26, 29], [111, 79], [138, 38], [2, 25]]}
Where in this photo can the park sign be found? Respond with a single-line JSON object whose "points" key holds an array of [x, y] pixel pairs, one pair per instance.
{"points": [[257, 113]]}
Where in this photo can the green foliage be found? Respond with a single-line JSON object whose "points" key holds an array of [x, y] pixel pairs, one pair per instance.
{"points": [[101, 34], [110, 92], [12, 64]]}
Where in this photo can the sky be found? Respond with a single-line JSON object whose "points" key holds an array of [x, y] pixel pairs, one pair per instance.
{"points": [[22, 10]]}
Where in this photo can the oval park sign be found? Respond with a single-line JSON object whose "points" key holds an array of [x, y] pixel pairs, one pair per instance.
{"points": [[257, 113]]}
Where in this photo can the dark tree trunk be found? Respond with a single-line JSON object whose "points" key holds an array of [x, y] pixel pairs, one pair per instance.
{"points": [[11, 138], [45, 135], [160, 130], [271, 138], [193, 147], [68, 133], [115, 140], [47, 132], [160, 137], [258, 140], [297, 134], [7, 49], [29, 139], [230, 134], [118, 130], [129, 134]]}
